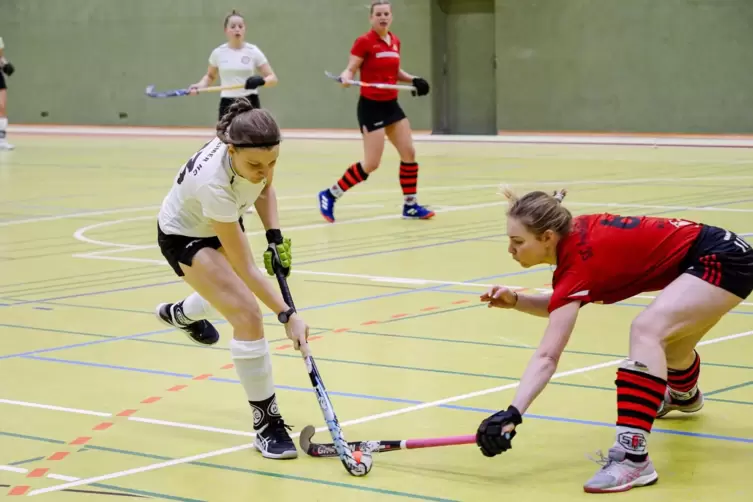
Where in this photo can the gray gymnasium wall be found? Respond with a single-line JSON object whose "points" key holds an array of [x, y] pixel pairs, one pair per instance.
{"points": [[88, 61], [595, 65], [625, 65]]}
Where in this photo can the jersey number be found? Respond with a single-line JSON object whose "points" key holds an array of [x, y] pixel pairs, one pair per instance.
{"points": [[626, 222], [189, 165]]}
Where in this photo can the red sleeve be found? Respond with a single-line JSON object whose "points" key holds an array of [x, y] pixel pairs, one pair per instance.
{"points": [[360, 47], [569, 287]]}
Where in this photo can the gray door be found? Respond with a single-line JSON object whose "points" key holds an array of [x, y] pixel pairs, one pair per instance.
{"points": [[464, 58]]}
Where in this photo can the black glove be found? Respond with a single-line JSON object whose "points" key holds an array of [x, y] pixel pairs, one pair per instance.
{"points": [[422, 87], [8, 69], [489, 435], [255, 81]]}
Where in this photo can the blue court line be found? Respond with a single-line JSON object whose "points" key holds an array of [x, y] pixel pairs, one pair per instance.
{"points": [[726, 389], [334, 393], [237, 469], [313, 307], [82, 344], [319, 330]]}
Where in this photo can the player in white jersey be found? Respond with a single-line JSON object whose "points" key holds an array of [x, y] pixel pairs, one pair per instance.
{"points": [[237, 62], [201, 235], [5, 69]]}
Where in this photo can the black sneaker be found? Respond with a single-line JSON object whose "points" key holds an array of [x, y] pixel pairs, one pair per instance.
{"points": [[201, 332], [273, 440]]}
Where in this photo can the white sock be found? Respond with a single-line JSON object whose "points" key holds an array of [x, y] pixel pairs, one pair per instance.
{"points": [[196, 308], [410, 200], [254, 367], [3, 127]]}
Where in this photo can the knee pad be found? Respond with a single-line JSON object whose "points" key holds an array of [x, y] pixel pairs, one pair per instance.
{"points": [[242, 349]]}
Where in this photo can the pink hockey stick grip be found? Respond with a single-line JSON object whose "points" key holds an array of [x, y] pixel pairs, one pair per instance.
{"points": [[445, 441]]}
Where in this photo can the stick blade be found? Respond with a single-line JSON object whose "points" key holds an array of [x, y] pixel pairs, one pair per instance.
{"points": [[305, 438]]}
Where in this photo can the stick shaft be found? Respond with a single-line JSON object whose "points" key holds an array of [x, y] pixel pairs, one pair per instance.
{"points": [[383, 446]]}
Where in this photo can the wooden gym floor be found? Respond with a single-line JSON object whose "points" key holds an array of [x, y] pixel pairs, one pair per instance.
{"points": [[95, 389]]}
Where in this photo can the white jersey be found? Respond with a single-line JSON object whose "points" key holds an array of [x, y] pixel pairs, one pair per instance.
{"points": [[205, 189], [236, 65]]}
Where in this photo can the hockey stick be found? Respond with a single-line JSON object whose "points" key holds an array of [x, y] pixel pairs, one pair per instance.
{"points": [[358, 464], [381, 446], [359, 83], [176, 93]]}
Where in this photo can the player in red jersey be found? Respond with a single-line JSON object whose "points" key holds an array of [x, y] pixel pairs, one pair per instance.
{"points": [[376, 54], [703, 272]]}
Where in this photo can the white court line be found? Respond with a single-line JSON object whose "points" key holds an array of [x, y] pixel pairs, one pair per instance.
{"points": [[369, 418], [181, 425], [55, 408], [541, 138], [564, 183], [20, 470]]}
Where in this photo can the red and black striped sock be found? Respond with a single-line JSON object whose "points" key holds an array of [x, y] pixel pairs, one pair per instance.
{"points": [[353, 176], [409, 181], [639, 395], [683, 384]]}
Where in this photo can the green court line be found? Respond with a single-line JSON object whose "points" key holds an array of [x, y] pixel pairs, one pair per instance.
{"points": [[27, 461], [290, 477]]}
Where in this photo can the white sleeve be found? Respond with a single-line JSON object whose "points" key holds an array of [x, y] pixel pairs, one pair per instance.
{"points": [[214, 58], [259, 57], [217, 203], [2, 45]]}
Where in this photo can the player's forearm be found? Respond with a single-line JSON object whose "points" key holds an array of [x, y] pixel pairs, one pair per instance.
{"points": [[536, 376], [270, 80], [266, 206], [404, 76], [536, 305]]}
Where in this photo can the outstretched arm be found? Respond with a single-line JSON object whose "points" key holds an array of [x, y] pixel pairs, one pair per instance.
{"points": [[544, 361]]}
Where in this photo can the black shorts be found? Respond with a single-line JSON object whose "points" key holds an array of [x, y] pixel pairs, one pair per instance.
{"points": [[3, 85], [226, 102], [723, 259], [179, 249], [373, 115]]}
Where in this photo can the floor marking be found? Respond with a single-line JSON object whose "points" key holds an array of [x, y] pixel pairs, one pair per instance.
{"points": [[368, 418], [501, 137], [56, 408]]}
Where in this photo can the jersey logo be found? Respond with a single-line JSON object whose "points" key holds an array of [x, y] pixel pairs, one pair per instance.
{"points": [[245, 60], [579, 294]]}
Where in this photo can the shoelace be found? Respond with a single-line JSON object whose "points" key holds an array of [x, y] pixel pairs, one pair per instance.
{"points": [[279, 429], [603, 461]]}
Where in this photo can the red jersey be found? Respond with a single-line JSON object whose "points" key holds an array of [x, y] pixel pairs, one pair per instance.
{"points": [[381, 63], [608, 258]]}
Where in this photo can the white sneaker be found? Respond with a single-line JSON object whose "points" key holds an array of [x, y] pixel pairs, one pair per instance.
{"points": [[619, 474], [690, 405], [6, 146]]}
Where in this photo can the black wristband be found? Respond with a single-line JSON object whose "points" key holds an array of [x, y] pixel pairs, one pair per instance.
{"points": [[274, 236]]}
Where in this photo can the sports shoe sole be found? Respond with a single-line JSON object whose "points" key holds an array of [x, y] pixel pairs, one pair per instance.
{"points": [[288, 455], [647, 480]]}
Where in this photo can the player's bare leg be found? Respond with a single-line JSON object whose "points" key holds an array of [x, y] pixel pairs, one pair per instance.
{"points": [[683, 371], [373, 147], [4, 145], [401, 137], [212, 276], [685, 310]]}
